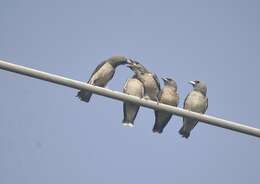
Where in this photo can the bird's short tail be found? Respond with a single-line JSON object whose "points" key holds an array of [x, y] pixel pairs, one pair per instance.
{"points": [[84, 95], [128, 124], [157, 129], [185, 133]]}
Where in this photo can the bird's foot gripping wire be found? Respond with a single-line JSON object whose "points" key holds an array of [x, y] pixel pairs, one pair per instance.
{"points": [[157, 101], [146, 97]]}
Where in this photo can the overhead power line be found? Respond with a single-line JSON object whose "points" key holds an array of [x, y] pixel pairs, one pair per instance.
{"points": [[128, 98]]}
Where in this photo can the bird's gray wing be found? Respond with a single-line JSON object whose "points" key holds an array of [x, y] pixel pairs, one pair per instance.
{"points": [[207, 104], [184, 103], [156, 111], [97, 68], [157, 80], [160, 94]]}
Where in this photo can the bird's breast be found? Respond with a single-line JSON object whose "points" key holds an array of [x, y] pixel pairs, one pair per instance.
{"points": [[134, 87], [169, 97], [195, 102]]}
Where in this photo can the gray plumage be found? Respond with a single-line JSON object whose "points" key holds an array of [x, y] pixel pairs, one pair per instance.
{"points": [[196, 101], [103, 73], [132, 87], [169, 96], [150, 81]]}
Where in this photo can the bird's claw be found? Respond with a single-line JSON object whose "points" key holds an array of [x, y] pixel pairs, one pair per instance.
{"points": [[146, 98]]}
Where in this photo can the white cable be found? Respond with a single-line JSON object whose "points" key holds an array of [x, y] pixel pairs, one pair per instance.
{"points": [[124, 97]]}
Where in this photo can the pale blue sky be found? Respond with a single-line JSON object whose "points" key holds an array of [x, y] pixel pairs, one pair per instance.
{"points": [[49, 136]]}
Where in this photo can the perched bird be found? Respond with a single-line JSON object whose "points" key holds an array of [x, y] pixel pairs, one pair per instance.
{"points": [[169, 96], [150, 81], [132, 87], [196, 101], [103, 73]]}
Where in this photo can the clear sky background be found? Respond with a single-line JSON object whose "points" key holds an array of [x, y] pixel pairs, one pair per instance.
{"points": [[48, 136]]}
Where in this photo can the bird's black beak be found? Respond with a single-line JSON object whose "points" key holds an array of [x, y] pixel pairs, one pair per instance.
{"points": [[129, 61], [192, 83], [164, 79], [130, 66]]}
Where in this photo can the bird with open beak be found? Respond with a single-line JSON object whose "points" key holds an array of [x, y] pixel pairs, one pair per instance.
{"points": [[168, 95], [150, 81], [103, 73], [135, 87], [196, 101]]}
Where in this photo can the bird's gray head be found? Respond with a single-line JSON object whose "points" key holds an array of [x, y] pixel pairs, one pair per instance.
{"points": [[136, 67], [170, 82], [199, 86], [118, 60]]}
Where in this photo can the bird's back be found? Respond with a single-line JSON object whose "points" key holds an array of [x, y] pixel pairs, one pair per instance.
{"points": [[150, 85], [103, 75]]}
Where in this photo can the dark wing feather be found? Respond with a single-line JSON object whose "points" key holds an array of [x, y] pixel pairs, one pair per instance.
{"points": [[207, 104], [185, 101], [160, 125], [157, 81], [160, 95], [130, 105], [124, 108]]}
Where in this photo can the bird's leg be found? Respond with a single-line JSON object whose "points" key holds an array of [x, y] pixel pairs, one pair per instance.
{"points": [[106, 86], [146, 97], [157, 100]]}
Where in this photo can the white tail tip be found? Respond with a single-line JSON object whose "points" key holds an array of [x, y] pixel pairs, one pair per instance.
{"points": [[130, 125]]}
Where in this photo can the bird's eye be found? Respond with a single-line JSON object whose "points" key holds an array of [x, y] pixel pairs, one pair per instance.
{"points": [[197, 81]]}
